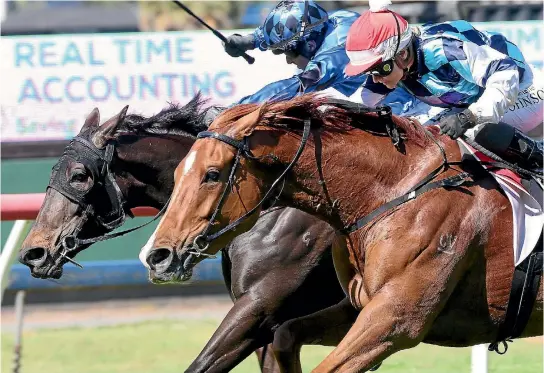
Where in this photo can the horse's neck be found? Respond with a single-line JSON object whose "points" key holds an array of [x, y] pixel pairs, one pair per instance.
{"points": [[344, 177], [146, 168]]}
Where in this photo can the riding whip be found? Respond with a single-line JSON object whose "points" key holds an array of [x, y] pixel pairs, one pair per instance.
{"points": [[246, 56]]}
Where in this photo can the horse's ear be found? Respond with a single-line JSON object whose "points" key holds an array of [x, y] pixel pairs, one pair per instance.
{"points": [[245, 126], [92, 121], [107, 130]]}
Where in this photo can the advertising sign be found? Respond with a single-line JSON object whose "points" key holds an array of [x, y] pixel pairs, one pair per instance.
{"points": [[50, 83]]}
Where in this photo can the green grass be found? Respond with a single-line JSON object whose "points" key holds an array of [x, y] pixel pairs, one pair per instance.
{"points": [[169, 346]]}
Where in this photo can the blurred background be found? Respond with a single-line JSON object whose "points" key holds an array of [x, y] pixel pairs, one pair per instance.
{"points": [[59, 60]]}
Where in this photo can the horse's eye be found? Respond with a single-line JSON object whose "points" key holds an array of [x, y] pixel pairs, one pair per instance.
{"points": [[212, 176], [79, 176]]}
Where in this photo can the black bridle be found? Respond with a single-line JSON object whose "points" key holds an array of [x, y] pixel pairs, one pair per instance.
{"points": [[98, 162], [243, 150], [202, 241]]}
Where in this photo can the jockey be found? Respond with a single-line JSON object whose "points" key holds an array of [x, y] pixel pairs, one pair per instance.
{"points": [[452, 65], [309, 38]]}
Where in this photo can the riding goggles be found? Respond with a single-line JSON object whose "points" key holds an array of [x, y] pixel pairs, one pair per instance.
{"points": [[382, 69]]}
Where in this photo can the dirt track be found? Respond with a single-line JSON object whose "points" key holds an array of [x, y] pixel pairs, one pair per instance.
{"points": [[118, 312]]}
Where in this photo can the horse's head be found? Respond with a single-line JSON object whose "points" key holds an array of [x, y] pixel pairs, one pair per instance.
{"points": [[81, 175], [227, 174], [106, 170]]}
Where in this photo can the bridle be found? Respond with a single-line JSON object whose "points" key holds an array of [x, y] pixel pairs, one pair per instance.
{"points": [[243, 150], [201, 243], [98, 162]]}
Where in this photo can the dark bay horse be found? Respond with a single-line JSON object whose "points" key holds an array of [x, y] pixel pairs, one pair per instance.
{"points": [[280, 270], [435, 269]]}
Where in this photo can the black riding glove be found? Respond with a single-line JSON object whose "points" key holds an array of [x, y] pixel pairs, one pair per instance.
{"points": [[236, 45], [456, 125]]}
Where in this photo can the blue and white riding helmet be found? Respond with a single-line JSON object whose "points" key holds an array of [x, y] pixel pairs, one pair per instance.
{"points": [[292, 21]]}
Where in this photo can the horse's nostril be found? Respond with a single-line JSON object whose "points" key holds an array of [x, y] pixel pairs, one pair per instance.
{"points": [[159, 259], [35, 256]]}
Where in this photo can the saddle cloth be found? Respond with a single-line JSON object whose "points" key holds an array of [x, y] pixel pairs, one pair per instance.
{"points": [[528, 216]]}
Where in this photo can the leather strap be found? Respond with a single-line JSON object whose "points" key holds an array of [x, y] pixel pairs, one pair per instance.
{"points": [[523, 294]]}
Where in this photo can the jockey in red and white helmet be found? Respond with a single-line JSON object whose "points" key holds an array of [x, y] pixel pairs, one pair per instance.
{"points": [[453, 65]]}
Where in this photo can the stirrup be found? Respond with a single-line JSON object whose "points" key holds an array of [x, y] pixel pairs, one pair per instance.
{"points": [[495, 346]]}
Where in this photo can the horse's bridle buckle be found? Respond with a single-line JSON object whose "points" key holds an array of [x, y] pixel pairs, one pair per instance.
{"points": [[201, 250]]}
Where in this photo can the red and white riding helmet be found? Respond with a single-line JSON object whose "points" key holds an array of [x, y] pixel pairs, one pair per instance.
{"points": [[373, 37]]}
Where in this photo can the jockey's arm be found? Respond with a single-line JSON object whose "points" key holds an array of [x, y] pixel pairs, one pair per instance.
{"points": [[497, 73], [283, 89], [373, 94], [258, 36], [320, 74]]}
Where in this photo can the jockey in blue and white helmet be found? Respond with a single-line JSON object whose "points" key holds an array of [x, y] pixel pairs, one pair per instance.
{"points": [[311, 39]]}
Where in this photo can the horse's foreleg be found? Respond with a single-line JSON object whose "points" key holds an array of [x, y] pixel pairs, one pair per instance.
{"points": [[241, 332], [399, 314], [267, 360], [326, 327]]}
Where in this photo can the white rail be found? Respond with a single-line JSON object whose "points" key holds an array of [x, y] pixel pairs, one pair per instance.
{"points": [[11, 249]]}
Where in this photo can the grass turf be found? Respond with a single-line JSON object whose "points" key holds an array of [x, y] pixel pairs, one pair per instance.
{"points": [[170, 346]]}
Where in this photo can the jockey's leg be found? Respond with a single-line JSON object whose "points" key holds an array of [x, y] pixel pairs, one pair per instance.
{"points": [[526, 114], [519, 137], [510, 143], [526, 149]]}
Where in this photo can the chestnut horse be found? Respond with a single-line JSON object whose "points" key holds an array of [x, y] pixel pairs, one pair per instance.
{"points": [[274, 273], [435, 267]]}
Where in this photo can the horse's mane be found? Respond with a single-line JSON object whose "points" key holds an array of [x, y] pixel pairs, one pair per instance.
{"points": [[329, 115], [173, 120]]}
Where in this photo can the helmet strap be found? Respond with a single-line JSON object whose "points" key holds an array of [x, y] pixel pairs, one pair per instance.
{"points": [[304, 19], [406, 63], [389, 64], [398, 35]]}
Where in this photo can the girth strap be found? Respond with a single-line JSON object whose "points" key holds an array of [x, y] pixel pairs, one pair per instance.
{"points": [[450, 182], [525, 285]]}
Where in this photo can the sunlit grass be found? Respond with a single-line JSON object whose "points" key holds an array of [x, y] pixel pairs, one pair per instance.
{"points": [[170, 346]]}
